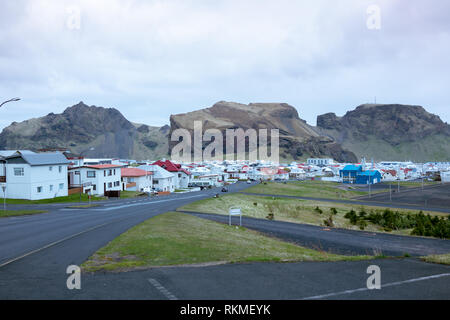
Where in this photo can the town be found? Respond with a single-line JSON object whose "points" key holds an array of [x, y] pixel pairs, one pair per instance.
{"points": [[55, 173]]}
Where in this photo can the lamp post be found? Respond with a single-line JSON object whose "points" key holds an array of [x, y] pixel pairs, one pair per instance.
{"points": [[10, 100], [6, 161]]}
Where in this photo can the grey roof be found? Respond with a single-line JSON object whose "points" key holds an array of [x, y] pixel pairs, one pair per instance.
{"points": [[9, 153], [41, 159]]}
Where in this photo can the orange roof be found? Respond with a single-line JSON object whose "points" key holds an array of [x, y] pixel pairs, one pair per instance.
{"points": [[134, 172]]}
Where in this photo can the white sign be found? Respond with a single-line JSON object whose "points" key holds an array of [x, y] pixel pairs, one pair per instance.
{"points": [[235, 211]]}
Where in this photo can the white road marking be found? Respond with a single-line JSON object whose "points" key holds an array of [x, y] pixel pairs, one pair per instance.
{"points": [[161, 289], [54, 243], [140, 204], [382, 286]]}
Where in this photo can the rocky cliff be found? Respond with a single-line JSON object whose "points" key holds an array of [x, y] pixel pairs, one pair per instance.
{"points": [[81, 128], [389, 132], [298, 140]]}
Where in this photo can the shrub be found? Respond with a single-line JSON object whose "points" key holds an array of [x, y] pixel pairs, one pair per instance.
{"points": [[362, 224], [333, 211], [318, 210], [329, 222]]}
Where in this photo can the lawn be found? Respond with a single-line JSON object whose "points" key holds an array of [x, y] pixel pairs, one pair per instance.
{"points": [[313, 189], [440, 258], [13, 213], [290, 210], [131, 194], [175, 238], [68, 199]]}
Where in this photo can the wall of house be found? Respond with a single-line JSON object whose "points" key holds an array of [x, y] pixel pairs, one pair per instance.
{"points": [[164, 184], [37, 183]]}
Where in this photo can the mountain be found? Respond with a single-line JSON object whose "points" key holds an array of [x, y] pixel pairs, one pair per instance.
{"points": [[298, 140], [389, 132], [80, 128]]}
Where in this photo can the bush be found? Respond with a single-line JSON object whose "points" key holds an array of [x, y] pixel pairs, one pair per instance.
{"points": [[318, 210], [351, 215], [333, 211], [329, 222], [362, 224], [422, 225]]}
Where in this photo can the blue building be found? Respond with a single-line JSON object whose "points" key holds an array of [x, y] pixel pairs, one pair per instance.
{"points": [[368, 177], [349, 173], [356, 175]]}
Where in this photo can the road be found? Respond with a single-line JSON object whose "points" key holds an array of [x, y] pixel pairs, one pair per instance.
{"points": [[36, 250]]}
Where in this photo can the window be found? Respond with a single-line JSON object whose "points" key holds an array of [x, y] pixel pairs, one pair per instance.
{"points": [[60, 169], [94, 187], [110, 173], [61, 186], [50, 168], [117, 183], [19, 172], [91, 174], [114, 171], [51, 188], [104, 173], [39, 189], [110, 185]]}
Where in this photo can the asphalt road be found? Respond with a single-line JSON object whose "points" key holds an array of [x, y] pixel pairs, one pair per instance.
{"points": [[36, 250], [374, 202], [340, 241]]}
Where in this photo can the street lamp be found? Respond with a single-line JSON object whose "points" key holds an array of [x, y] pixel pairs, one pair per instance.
{"points": [[10, 100]]}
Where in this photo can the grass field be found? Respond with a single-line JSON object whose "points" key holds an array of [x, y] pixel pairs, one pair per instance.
{"points": [[68, 199], [13, 213], [313, 189], [290, 210], [175, 238], [440, 259]]}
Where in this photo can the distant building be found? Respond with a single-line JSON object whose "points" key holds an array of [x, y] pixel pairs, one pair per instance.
{"points": [[349, 173], [368, 177], [320, 161]]}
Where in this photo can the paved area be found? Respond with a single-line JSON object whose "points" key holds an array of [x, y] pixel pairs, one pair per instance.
{"points": [[35, 252]]}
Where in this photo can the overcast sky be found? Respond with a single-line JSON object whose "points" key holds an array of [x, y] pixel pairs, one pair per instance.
{"points": [[150, 59]]}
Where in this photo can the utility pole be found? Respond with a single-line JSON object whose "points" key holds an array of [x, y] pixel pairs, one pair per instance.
{"points": [[370, 194]]}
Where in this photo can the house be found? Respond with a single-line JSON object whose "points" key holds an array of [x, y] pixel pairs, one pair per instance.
{"points": [[181, 176], [320, 162], [163, 180], [206, 180], [356, 174], [35, 176], [96, 179], [349, 173], [134, 179], [445, 176], [368, 177]]}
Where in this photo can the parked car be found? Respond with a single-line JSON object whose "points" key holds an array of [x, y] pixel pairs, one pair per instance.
{"points": [[249, 182]]}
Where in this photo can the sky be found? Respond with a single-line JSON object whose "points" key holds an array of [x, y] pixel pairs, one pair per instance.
{"points": [[150, 59]]}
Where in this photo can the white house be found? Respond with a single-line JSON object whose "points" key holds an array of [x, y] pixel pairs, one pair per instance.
{"points": [[320, 161], [97, 179], [163, 180], [181, 177], [134, 179], [35, 176]]}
